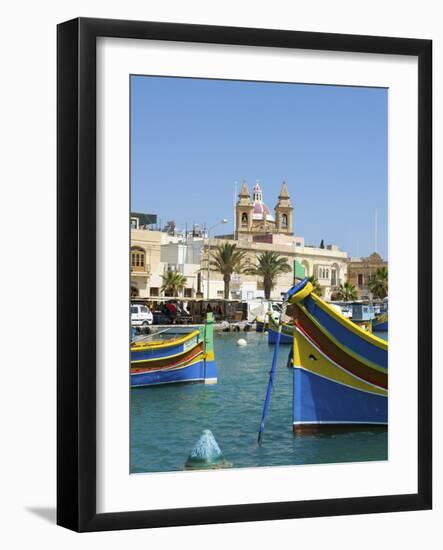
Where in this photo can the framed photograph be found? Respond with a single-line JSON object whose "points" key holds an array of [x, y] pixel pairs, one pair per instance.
{"points": [[244, 250]]}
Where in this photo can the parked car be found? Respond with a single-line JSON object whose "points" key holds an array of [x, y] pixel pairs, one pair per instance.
{"points": [[141, 316]]}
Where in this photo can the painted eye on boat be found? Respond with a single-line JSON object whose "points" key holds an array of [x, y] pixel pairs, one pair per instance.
{"points": [[312, 357]]}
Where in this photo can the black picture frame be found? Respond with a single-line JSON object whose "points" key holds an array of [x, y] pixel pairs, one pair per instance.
{"points": [[76, 293]]}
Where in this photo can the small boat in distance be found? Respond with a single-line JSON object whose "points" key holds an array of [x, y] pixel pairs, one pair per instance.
{"points": [[380, 323], [287, 332], [182, 354]]}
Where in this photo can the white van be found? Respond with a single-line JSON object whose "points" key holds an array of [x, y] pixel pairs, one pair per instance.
{"points": [[141, 316]]}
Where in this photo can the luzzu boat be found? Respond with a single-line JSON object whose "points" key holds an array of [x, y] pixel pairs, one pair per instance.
{"points": [[185, 354], [340, 370]]}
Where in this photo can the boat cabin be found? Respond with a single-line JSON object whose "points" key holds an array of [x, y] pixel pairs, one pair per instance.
{"points": [[362, 312]]}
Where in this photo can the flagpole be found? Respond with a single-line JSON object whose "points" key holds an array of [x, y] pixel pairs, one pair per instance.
{"points": [[234, 218]]}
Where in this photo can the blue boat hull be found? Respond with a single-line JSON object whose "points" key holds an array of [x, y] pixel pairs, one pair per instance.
{"points": [[319, 401], [381, 327], [200, 371], [260, 326], [285, 338]]}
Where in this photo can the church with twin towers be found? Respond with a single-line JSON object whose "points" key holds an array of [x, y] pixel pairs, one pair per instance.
{"points": [[253, 216], [259, 229]]}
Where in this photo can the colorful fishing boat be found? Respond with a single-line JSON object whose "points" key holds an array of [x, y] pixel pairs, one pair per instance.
{"points": [[287, 332], [183, 354], [261, 323], [340, 370], [380, 323]]}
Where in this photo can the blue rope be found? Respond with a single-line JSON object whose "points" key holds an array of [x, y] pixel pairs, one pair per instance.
{"points": [[270, 384]]}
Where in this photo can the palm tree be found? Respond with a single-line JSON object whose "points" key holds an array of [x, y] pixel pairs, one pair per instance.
{"points": [[346, 292], [269, 266], [378, 283], [173, 283], [314, 282], [226, 259]]}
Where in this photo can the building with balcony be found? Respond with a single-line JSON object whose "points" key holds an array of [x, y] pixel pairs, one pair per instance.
{"points": [[359, 271]]}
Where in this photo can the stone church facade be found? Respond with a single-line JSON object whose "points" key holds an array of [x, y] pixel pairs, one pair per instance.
{"points": [[253, 217]]}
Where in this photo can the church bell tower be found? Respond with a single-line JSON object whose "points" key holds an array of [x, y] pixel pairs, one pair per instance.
{"points": [[284, 212], [243, 211]]}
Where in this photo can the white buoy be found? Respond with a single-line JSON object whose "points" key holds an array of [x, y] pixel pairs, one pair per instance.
{"points": [[242, 342]]}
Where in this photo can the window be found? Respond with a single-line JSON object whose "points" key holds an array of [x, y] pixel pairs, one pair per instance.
{"points": [[244, 219], [323, 273], [333, 277], [220, 294], [284, 221], [360, 280], [188, 293], [154, 291], [134, 309], [137, 259]]}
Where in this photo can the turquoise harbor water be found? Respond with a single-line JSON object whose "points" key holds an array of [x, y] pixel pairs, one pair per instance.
{"points": [[166, 421]]}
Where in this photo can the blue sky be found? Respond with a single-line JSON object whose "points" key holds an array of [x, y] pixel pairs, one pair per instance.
{"points": [[192, 139]]}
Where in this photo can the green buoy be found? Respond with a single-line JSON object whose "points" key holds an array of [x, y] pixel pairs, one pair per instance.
{"points": [[206, 454]]}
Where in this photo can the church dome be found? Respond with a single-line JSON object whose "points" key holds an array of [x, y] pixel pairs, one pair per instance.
{"points": [[260, 209]]}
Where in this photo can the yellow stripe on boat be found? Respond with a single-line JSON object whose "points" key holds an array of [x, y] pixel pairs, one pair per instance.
{"points": [[314, 360], [200, 357], [290, 329], [379, 342], [303, 293], [163, 343], [308, 289], [367, 362], [133, 361]]}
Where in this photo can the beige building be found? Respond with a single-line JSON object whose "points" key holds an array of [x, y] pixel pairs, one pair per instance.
{"points": [[257, 230], [153, 253], [361, 269], [145, 262], [328, 265]]}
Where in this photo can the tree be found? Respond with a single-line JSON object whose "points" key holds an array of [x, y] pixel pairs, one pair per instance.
{"points": [[378, 283], [269, 266], [226, 259], [346, 292], [173, 283], [314, 282]]}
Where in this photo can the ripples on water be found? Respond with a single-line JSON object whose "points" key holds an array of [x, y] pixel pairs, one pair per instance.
{"points": [[166, 421]]}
